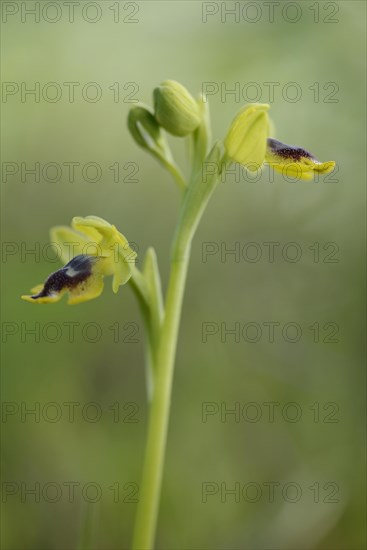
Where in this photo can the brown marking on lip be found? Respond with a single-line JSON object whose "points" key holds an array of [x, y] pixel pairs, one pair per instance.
{"points": [[288, 152]]}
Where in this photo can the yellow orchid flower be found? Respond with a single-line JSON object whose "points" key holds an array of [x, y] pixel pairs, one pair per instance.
{"points": [[248, 143], [92, 248], [295, 162]]}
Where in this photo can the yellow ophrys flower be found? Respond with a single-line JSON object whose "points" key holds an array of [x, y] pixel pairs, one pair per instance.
{"points": [[248, 143], [92, 249]]}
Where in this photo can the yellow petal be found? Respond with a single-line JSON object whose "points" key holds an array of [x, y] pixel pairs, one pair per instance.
{"points": [[68, 242], [121, 275], [122, 267], [246, 139], [93, 226], [106, 235]]}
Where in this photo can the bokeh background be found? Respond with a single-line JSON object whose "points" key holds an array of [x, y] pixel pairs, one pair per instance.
{"points": [[322, 451]]}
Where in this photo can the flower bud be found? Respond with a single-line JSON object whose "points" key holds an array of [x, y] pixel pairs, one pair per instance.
{"points": [[246, 138], [146, 131], [175, 109]]}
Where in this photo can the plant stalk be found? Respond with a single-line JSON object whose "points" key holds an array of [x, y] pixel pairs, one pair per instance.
{"points": [[147, 513]]}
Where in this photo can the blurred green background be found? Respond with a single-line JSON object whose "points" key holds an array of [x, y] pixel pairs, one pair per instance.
{"points": [[322, 452]]}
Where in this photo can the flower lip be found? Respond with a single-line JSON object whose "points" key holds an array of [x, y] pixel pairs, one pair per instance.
{"points": [[295, 162], [74, 273]]}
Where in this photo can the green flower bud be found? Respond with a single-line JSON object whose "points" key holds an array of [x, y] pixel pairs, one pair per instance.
{"points": [[146, 131], [246, 139], [148, 134], [175, 109]]}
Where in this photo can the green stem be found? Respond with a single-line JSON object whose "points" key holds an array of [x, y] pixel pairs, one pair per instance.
{"points": [[177, 174], [147, 513], [195, 201]]}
